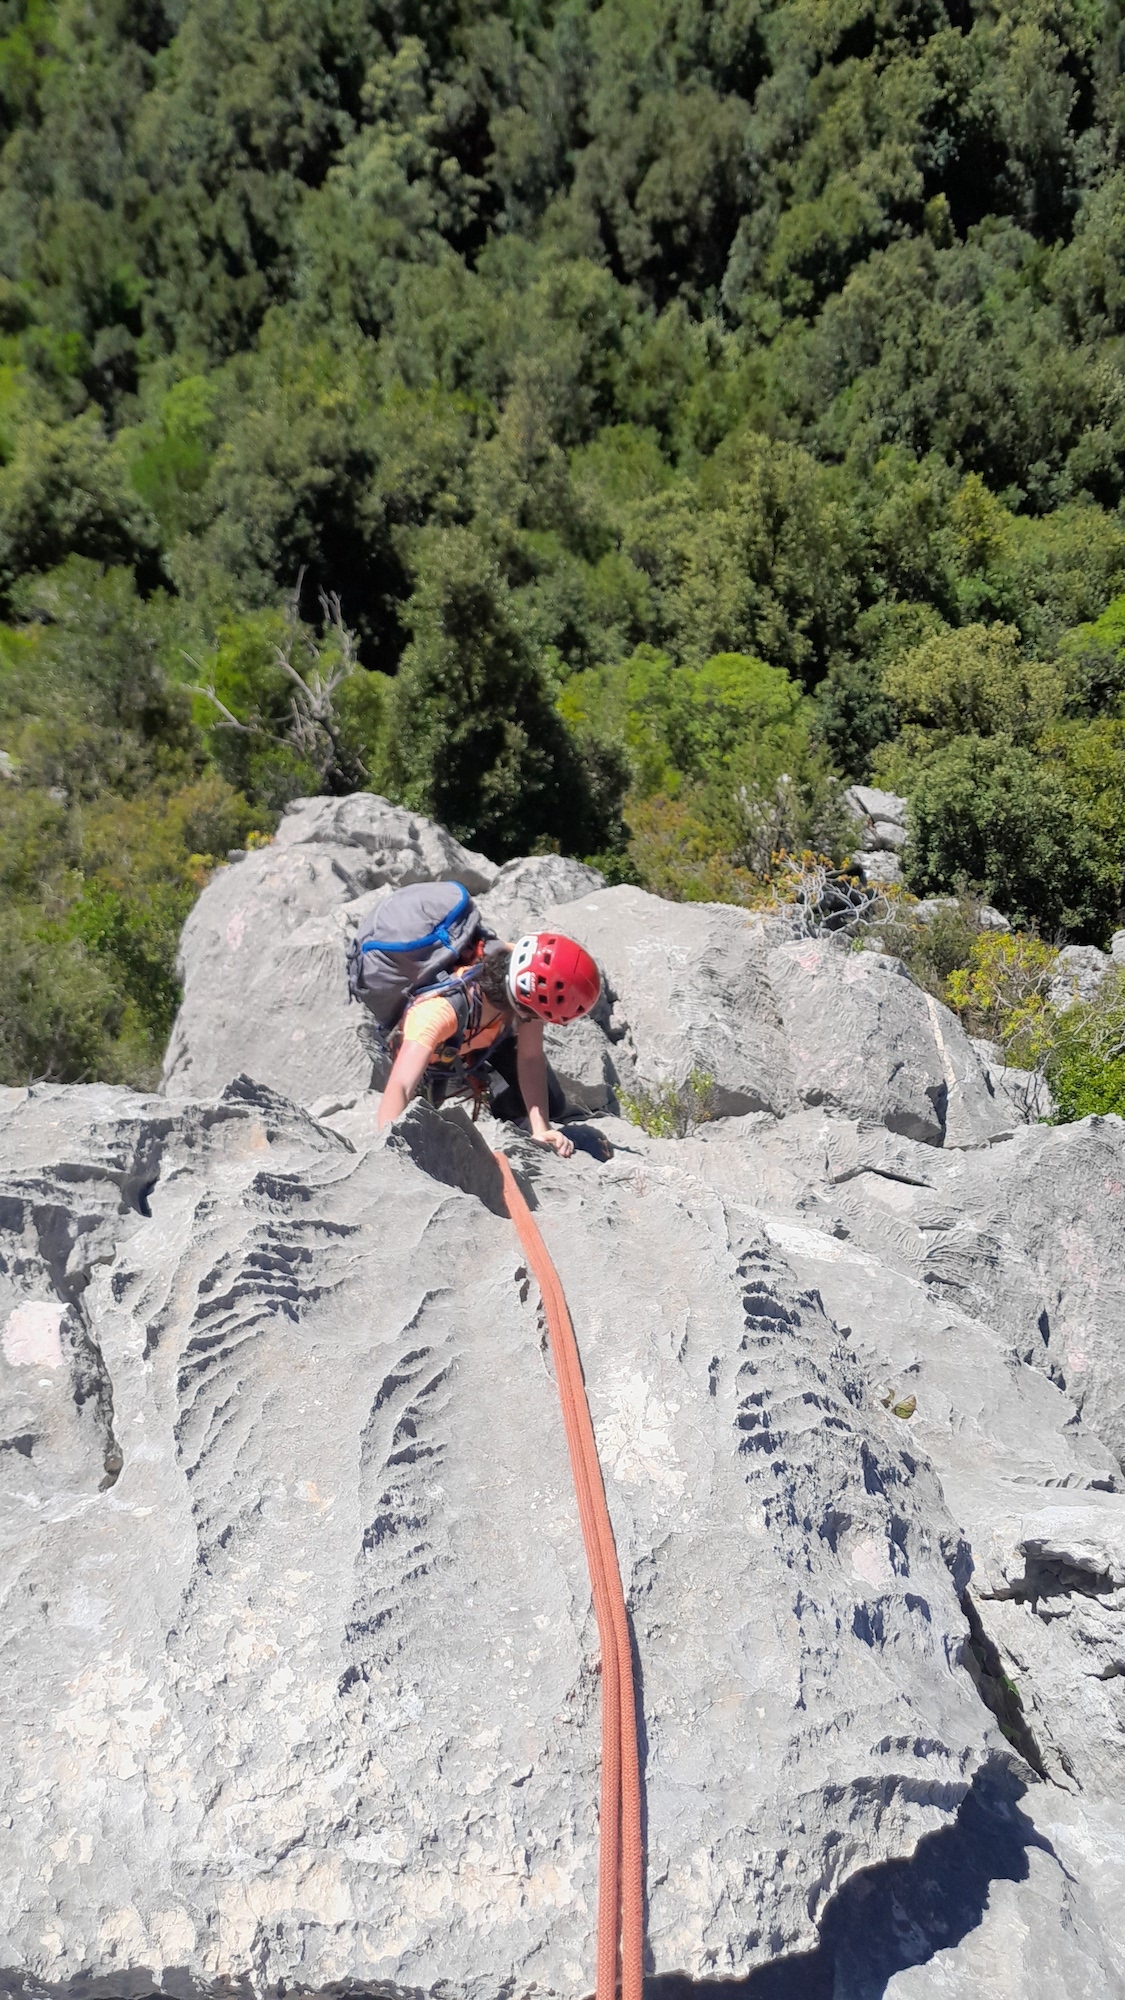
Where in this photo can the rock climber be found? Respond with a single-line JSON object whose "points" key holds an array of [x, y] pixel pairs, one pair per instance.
{"points": [[486, 1027]]}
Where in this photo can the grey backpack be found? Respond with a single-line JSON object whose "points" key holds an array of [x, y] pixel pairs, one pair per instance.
{"points": [[409, 943]]}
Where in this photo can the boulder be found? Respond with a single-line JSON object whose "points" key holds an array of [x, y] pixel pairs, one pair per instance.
{"points": [[262, 953], [265, 991], [525, 890], [1026, 1090], [301, 1681], [1036, 1248], [1117, 948], [882, 832], [863, 1039], [868, 802], [1080, 971], [401, 846], [878, 865], [687, 988]]}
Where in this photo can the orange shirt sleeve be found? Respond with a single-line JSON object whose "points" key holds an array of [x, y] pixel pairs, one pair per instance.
{"points": [[430, 1022]]}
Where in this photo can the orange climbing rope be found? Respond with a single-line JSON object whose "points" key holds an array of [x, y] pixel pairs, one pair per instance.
{"points": [[620, 1861]]}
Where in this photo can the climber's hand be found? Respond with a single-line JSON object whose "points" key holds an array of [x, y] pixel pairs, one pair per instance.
{"points": [[563, 1146]]}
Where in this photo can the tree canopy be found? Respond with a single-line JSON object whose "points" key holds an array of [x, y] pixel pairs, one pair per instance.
{"points": [[688, 407]]}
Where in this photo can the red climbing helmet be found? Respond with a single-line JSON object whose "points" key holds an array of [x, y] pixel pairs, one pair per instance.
{"points": [[553, 977]]}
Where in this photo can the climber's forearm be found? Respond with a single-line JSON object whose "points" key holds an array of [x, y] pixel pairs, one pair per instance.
{"points": [[407, 1073], [531, 1070]]}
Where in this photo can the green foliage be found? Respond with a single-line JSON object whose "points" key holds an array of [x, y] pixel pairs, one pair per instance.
{"points": [[1092, 658], [1003, 987], [975, 682], [65, 490], [676, 851], [684, 723], [708, 403], [286, 714], [1085, 1065], [62, 1016], [92, 900], [85, 701], [993, 812], [475, 738], [671, 1110], [108, 828], [932, 951], [725, 771]]}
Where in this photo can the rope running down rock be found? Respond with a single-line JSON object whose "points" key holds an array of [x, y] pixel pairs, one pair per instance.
{"points": [[620, 1860]]}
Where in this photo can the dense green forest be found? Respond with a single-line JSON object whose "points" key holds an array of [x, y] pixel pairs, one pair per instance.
{"points": [[607, 427]]}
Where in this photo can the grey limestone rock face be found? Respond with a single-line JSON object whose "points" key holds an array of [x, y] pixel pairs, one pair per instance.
{"points": [[262, 953], [262, 962], [863, 1039], [971, 1282], [302, 1688], [298, 1661], [1026, 1091], [298, 1668], [403, 846], [869, 802], [877, 865], [881, 830], [525, 890], [1081, 969], [688, 988]]}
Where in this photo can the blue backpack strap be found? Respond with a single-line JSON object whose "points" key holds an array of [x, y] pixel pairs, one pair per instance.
{"points": [[439, 934]]}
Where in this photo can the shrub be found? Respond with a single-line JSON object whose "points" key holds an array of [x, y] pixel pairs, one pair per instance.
{"points": [[1004, 988], [932, 951], [671, 1110], [674, 852], [1085, 1065], [62, 1016], [994, 813]]}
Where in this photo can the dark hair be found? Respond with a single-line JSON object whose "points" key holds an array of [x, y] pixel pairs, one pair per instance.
{"points": [[493, 975]]}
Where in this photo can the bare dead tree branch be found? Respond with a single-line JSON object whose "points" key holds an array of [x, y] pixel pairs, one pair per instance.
{"points": [[315, 730]]}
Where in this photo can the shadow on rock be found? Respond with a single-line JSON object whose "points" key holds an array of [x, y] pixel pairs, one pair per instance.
{"points": [[882, 1921], [588, 1139], [898, 1914]]}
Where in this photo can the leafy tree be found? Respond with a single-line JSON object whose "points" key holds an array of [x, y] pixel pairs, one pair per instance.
{"points": [[619, 367], [88, 704], [972, 682], [1004, 989], [286, 714], [66, 491], [992, 812], [475, 739]]}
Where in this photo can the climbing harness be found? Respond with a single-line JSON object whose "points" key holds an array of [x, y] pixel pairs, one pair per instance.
{"points": [[621, 1858]]}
